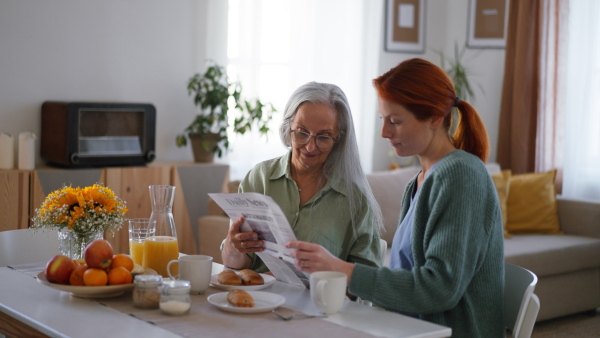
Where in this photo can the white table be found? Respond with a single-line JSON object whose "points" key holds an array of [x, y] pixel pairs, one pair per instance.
{"points": [[58, 314]]}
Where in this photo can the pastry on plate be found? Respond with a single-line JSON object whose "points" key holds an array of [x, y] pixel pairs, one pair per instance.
{"points": [[229, 277], [251, 277], [240, 298]]}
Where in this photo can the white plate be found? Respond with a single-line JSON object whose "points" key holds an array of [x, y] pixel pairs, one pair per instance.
{"points": [[214, 281], [91, 291], [263, 302]]}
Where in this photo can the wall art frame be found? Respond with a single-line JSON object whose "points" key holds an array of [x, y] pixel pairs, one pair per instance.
{"points": [[405, 26], [487, 23]]}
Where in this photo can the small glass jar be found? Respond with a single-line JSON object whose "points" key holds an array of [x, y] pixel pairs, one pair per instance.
{"points": [[175, 297], [146, 294]]}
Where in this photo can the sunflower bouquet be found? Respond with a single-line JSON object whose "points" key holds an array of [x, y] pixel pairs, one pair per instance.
{"points": [[84, 211]]}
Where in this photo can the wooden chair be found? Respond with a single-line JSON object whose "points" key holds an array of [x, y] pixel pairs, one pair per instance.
{"points": [[521, 305], [26, 246]]}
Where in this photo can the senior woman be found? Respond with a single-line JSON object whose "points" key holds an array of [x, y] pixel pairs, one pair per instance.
{"points": [[319, 183]]}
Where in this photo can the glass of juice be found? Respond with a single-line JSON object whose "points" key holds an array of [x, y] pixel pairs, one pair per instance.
{"points": [[159, 251], [139, 230]]}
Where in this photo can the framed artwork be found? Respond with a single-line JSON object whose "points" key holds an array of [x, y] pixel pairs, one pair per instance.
{"points": [[405, 26], [488, 21]]}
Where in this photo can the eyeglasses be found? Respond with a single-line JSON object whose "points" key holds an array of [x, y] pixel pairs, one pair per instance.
{"points": [[322, 141]]}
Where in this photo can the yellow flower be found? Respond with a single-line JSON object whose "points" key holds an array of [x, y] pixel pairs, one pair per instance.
{"points": [[83, 210]]}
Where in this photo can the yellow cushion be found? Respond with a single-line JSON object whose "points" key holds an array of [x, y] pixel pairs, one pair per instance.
{"points": [[531, 204], [502, 183]]}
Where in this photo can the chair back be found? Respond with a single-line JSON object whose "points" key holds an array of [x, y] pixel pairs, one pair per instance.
{"points": [[521, 305], [26, 246]]}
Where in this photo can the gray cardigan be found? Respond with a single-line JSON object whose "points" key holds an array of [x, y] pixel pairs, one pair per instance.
{"points": [[458, 251]]}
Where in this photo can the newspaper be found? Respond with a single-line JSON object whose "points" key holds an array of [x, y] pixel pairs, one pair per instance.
{"points": [[264, 216]]}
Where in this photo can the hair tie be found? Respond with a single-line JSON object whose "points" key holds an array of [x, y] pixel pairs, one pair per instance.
{"points": [[456, 101]]}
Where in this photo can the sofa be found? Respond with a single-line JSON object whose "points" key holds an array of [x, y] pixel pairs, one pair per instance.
{"points": [[567, 265]]}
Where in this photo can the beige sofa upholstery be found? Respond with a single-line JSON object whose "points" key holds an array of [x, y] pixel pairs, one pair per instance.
{"points": [[567, 266]]}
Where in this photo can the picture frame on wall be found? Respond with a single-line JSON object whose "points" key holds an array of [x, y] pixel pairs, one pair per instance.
{"points": [[405, 26], [487, 23]]}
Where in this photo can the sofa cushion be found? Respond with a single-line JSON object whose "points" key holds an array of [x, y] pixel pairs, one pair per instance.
{"points": [[547, 255], [388, 188], [531, 204], [502, 183]]}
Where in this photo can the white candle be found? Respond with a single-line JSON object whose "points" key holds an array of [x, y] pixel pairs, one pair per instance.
{"points": [[26, 150], [7, 153]]}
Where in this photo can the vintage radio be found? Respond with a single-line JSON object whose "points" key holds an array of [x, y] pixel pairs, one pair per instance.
{"points": [[90, 134]]}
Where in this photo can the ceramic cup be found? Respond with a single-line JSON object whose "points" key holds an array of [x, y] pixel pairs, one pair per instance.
{"points": [[328, 291], [194, 268]]}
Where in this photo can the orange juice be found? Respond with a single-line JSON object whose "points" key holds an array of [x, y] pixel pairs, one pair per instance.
{"points": [[136, 251], [158, 252]]}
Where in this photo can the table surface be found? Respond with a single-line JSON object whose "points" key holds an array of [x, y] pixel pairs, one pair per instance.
{"points": [[58, 314]]}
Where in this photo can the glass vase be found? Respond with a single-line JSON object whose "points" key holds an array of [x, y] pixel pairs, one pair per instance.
{"points": [[72, 245]]}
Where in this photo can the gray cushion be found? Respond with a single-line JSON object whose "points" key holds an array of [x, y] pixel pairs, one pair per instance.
{"points": [[548, 255]]}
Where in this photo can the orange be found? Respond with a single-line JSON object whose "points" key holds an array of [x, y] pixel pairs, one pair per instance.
{"points": [[122, 260], [119, 275], [95, 277], [76, 277]]}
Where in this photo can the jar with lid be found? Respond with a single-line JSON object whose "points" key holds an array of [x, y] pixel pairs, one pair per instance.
{"points": [[175, 297], [146, 294]]}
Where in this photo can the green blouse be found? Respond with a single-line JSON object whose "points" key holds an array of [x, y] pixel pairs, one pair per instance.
{"points": [[324, 219]]}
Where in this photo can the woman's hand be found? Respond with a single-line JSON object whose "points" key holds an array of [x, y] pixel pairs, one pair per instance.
{"points": [[238, 244], [244, 242], [311, 257]]}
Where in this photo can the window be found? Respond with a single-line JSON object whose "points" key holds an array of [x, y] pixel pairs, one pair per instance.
{"points": [[275, 46], [582, 118]]}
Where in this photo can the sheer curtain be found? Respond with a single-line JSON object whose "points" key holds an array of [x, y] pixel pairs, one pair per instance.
{"points": [[274, 46], [581, 177]]}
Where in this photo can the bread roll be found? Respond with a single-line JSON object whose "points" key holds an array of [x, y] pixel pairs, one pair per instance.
{"points": [[251, 277], [240, 298], [228, 277]]}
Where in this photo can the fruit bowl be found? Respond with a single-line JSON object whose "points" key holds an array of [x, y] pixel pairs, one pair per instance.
{"points": [[91, 291]]}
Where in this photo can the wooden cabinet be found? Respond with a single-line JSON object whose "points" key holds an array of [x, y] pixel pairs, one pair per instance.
{"points": [[14, 199], [24, 191]]}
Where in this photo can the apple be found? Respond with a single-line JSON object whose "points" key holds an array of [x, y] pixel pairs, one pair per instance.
{"points": [[98, 254], [58, 269]]}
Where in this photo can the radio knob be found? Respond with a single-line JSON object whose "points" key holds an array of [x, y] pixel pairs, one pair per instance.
{"points": [[150, 156], [75, 158]]}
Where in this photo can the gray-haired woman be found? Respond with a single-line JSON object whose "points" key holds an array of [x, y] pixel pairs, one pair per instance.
{"points": [[319, 184]]}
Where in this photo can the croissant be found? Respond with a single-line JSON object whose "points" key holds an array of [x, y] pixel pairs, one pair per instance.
{"points": [[228, 277], [251, 277], [240, 298]]}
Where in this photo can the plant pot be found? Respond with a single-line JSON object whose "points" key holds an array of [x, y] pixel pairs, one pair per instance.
{"points": [[203, 148]]}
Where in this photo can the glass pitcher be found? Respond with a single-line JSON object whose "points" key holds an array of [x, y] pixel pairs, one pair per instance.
{"points": [[161, 248]]}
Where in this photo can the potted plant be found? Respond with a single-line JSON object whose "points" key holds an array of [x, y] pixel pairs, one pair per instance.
{"points": [[221, 108]]}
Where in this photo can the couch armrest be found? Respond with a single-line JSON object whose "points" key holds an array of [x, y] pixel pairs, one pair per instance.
{"points": [[212, 230], [578, 217]]}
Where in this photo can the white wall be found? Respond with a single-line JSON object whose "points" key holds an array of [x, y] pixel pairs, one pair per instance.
{"points": [[446, 23], [145, 51], [109, 50]]}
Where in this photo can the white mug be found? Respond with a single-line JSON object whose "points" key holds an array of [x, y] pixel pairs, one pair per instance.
{"points": [[328, 291], [194, 268]]}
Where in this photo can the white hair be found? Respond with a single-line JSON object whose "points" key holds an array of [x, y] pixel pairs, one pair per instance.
{"points": [[342, 164]]}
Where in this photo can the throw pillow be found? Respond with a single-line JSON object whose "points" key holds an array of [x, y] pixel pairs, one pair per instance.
{"points": [[531, 204], [502, 183]]}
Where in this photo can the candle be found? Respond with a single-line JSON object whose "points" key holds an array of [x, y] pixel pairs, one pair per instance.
{"points": [[26, 150], [7, 156]]}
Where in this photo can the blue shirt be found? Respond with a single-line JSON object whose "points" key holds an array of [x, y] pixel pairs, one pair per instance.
{"points": [[401, 253]]}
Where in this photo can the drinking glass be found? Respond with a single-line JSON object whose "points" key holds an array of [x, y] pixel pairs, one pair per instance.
{"points": [[139, 230]]}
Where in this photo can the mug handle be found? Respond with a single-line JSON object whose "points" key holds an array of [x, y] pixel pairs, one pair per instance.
{"points": [[320, 292], [169, 268]]}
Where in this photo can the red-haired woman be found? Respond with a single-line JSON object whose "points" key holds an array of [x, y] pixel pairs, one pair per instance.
{"points": [[447, 256]]}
